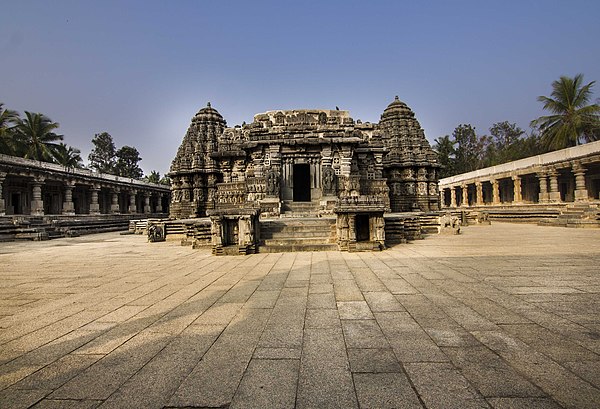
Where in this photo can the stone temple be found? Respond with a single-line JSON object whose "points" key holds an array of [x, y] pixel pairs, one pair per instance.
{"points": [[319, 166]]}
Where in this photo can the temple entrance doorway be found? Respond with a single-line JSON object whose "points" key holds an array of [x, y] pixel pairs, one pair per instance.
{"points": [[15, 201], [301, 182], [230, 230], [362, 227]]}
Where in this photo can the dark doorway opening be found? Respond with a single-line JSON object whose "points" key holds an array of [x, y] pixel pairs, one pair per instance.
{"points": [[15, 202], [563, 188], [302, 182], [362, 227], [230, 232]]}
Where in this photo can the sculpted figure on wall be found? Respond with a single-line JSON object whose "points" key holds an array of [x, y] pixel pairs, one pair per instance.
{"points": [[328, 181], [272, 183], [433, 189]]}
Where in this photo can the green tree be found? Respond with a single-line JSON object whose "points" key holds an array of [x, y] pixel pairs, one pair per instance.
{"points": [[35, 137], [444, 146], [153, 177], [127, 163], [8, 120], [165, 180], [67, 156], [469, 149], [103, 158], [572, 119], [504, 146]]}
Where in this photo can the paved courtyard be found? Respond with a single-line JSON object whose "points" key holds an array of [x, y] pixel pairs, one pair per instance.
{"points": [[502, 316]]}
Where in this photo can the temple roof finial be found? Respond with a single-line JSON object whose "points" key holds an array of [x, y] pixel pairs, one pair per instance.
{"points": [[208, 103], [396, 98]]}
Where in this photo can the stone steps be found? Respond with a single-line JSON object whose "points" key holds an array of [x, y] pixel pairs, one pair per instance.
{"points": [[296, 240], [297, 234], [285, 248], [299, 209], [578, 215]]}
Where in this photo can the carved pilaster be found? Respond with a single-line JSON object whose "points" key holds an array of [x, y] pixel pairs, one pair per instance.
{"points": [[352, 228], [479, 189], [68, 206], [2, 202], [147, 208], [554, 194], [159, 208], [465, 196], [452, 196], [346, 161], [132, 203], [94, 205], [543, 180], [517, 196], [114, 207], [37, 204], [581, 193], [495, 192]]}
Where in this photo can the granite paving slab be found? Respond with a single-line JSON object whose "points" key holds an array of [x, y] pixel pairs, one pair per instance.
{"points": [[500, 316]]}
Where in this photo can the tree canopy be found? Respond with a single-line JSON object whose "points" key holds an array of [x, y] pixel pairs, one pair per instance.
{"points": [[67, 156], [35, 137], [128, 158], [466, 151], [8, 120], [102, 158], [573, 120]]}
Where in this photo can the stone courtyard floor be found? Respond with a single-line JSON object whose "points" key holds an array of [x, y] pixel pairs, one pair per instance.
{"points": [[503, 316]]}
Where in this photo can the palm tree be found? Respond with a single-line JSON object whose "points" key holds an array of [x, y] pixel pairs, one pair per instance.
{"points": [[572, 120], [35, 136], [153, 177], [8, 119], [67, 156]]}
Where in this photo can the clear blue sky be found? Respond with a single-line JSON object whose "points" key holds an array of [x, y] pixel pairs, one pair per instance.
{"points": [[141, 69]]}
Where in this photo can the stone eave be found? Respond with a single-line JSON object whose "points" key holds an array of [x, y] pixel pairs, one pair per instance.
{"points": [[17, 165]]}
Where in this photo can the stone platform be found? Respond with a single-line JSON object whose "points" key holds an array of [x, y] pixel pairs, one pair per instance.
{"points": [[502, 316]]}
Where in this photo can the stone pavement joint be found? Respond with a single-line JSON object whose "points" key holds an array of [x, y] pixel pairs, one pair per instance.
{"points": [[501, 316]]}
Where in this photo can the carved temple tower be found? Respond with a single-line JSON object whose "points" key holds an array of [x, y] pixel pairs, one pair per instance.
{"points": [[194, 173], [410, 165]]}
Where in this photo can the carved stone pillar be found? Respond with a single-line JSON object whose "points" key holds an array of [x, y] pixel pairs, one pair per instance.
{"points": [[554, 194], [94, 205], [442, 198], [543, 196], [495, 192], [147, 208], [517, 197], [465, 196], [114, 207], [2, 202], [346, 161], [132, 204], [37, 204], [581, 193], [68, 206], [159, 208], [479, 189], [452, 197], [352, 228]]}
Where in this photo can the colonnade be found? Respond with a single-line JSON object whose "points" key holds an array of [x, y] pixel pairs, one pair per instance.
{"points": [[36, 188], [563, 182]]}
